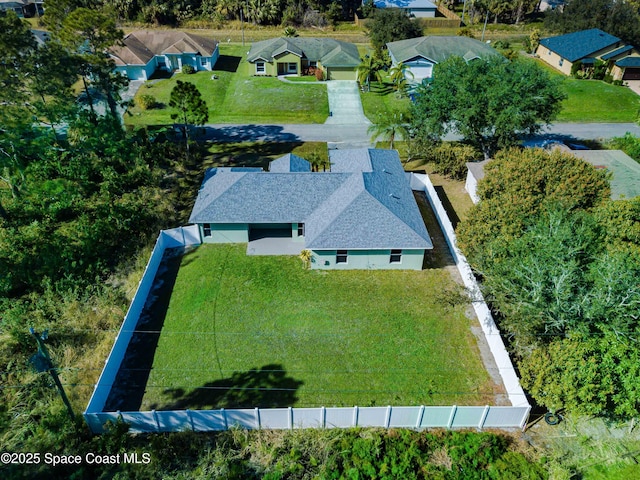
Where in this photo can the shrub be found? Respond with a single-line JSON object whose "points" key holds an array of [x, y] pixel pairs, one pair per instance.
{"points": [[145, 102], [617, 83], [319, 74], [290, 32], [465, 32], [188, 69], [451, 159], [608, 79]]}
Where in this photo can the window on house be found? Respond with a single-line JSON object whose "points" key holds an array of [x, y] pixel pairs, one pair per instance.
{"points": [[561, 62], [396, 256], [260, 67], [203, 61], [292, 67], [313, 64], [301, 229], [341, 256], [206, 229]]}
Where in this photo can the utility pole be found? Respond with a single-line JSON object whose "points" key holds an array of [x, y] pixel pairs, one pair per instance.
{"points": [[43, 363]]}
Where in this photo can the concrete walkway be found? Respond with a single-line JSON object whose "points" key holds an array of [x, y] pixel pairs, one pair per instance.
{"points": [[345, 106]]}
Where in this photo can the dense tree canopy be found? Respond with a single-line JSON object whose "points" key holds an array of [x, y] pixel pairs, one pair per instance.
{"points": [[390, 25], [487, 101], [616, 17], [560, 264]]}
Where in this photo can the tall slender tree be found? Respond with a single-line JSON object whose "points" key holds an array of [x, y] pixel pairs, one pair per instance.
{"points": [[189, 108]]}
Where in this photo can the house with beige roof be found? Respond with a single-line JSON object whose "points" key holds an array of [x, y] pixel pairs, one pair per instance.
{"points": [[143, 52]]}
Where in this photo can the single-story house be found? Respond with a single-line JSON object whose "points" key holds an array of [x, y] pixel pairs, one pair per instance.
{"points": [[143, 52], [414, 8], [587, 46], [295, 56], [422, 53], [360, 215], [22, 8], [625, 181]]}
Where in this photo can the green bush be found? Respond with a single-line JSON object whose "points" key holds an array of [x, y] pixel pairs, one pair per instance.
{"points": [[188, 69], [145, 102], [608, 78], [451, 158]]}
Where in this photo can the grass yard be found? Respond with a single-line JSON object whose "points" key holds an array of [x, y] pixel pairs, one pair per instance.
{"points": [[239, 327], [595, 100], [237, 96], [382, 100]]}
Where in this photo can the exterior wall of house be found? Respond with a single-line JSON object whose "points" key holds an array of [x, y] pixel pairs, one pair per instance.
{"points": [[294, 233], [471, 186], [287, 58], [420, 68], [226, 233], [422, 12], [553, 59], [341, 73], [617, 72], [367, 260], [138, 72]]}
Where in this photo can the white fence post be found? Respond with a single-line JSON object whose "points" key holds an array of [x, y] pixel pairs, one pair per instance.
{"points": [[190, 417], [155, 417], [354, 421], [323, 420], [387, 419], [420, 416], [290, 418], [257, 415], [224, 417], [483, 417], [454, 409]]}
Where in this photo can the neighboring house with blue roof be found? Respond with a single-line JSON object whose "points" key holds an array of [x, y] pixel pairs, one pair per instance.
{"points": [[360, 215], [414, 8], [587, 46], [297, 55], [143, 52], [422, 53]]}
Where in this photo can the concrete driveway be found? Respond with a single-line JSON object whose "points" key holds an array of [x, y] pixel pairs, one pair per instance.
{"points": [[345, 106]]}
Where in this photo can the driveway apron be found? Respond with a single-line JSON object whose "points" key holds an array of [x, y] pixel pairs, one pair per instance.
{"points": [[344, 103]]}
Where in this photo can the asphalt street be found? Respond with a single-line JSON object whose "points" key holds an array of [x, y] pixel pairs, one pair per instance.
{"points": [[354, 135]]}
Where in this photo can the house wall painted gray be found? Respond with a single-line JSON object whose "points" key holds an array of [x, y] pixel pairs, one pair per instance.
{"points": [[367, 260], [225, 233]]}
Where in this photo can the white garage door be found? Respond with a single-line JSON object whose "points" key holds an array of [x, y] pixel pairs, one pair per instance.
{"points": [[420, 72]]}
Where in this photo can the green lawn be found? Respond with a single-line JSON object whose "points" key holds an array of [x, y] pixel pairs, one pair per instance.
{"points": [[237, 96], [323, 338], [382, 100], [595, 100]]}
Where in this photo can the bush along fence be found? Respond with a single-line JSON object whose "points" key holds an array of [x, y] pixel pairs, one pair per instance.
{"points": [[514, 416]]}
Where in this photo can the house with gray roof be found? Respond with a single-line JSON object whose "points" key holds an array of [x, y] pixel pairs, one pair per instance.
{"points": [[413, 8], [586, 47], [298, 56], [359, 215], [422, 53], [143, 52]]}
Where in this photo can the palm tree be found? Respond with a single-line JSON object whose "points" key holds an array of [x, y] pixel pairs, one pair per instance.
{"points": [[388, 127], [367, 69], [399, 73]]}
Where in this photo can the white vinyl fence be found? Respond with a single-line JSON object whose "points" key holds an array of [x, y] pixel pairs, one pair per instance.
{"points": [[514, 416], [321, 417], [175, 237]]}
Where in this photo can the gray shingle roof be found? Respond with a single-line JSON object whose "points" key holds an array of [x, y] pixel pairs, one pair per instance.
{"points": [[367, 206], [406, 4], [438, 49], [290, 163], [330, 52], [577, 45]]}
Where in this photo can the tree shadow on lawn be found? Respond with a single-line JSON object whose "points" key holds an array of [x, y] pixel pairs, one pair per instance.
{"points": [[128, 388], [249, 155], [267, 387], [227, 63]]}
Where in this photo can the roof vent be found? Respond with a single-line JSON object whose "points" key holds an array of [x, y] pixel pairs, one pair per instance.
{"points": [[387, 171], [393, 195]]}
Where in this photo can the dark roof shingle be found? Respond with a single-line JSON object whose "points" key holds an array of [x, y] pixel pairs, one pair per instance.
{"points": [[577, 45]]}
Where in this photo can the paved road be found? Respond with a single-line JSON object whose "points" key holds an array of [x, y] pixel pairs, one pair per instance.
{"points": [[344, 136]]}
